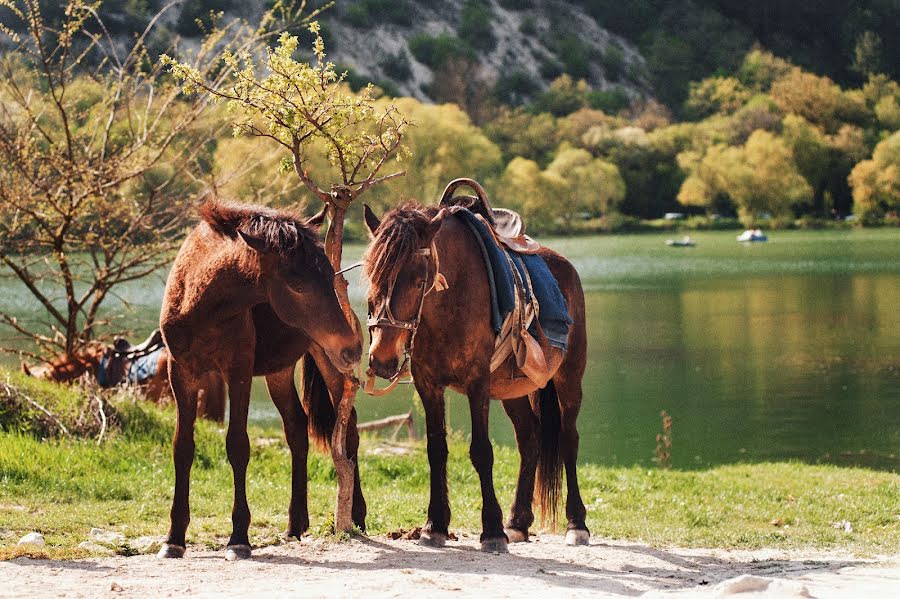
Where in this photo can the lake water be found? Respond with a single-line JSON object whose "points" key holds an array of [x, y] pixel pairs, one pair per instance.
{"points": [[782, 350]]}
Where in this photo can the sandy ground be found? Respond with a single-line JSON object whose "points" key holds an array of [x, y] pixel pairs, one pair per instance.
{"points": [[379, 567]]}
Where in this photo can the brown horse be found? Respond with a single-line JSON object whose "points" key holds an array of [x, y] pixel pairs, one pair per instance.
{"points": [[250, 293], [95, 357], [453, 345]]}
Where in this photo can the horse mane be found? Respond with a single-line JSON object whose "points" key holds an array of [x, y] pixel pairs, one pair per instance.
{"points": [[397, 239], [284, 232]]}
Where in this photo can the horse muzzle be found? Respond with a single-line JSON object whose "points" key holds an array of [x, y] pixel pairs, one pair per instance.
{"points": [[385, 369]]}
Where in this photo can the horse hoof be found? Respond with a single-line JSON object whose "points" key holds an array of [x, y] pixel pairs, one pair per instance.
{"points": [[170, 551], [432, 539], [578, 537], [495, 545], [234, 553], [516, 536], [290, 536]]}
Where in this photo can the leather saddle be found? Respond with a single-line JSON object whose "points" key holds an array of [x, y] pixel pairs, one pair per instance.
{"points": [[508, 229], [118, 358], [507, 225], [123, 347]]}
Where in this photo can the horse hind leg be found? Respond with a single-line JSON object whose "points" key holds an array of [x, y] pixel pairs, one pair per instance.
{"points": [[185, 393], [521, 514], [283, 392]]}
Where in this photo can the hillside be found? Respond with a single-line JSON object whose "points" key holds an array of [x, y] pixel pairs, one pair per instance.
{"points": [[512, 49]]}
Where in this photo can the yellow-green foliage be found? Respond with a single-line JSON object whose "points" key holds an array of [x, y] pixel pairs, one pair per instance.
{"points": [[876, 182], [761, 176], [574, 183], [306, 109]]}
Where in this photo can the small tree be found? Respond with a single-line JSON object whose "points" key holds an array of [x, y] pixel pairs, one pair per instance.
{"points": [[100, 161], [307, 108]]}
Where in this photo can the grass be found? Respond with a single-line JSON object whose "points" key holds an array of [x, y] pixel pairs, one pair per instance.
{"points": [[63, 487]]}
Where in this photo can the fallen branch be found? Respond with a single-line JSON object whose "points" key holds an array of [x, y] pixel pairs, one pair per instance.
{"points": [[399, 421], [12, 392], [102, 420]]}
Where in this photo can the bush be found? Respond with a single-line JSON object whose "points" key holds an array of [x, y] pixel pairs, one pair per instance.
{"points": [[576, 56], [515, 87], [46, 410], [475, 25], [365, 12], [436, 51], [613, 61], [396, 66], [610, 101]]}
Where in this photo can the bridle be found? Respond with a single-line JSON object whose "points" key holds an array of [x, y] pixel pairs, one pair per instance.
{"points": [[385, 318]]}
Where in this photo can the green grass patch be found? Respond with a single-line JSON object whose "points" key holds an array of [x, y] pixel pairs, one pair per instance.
{"points": [[65, 486]]}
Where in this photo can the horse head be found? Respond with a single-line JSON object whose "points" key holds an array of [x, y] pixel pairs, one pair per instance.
{"points": [[402, 267], [295, 275]]}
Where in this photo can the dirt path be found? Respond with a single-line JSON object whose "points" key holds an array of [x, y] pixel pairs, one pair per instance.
{"points": [[382, 568]]}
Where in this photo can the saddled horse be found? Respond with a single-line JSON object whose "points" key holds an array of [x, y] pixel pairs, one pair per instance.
{"points": [[250, 293], [453, 344], [120, 363]]}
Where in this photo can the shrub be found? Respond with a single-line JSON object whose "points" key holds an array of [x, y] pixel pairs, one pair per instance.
{"points": [[364, 12], [436, 51], [576, 56], [475, 25], [396, 66], [613, 61], [515, 87], [609, 101]]}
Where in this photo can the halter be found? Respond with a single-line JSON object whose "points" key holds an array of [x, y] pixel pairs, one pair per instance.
{"points": [[385, 318]]}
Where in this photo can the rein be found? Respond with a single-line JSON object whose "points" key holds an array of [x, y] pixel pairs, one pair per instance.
{"points": [[385, 318]]}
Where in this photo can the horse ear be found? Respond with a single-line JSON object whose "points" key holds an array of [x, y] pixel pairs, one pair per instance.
{"points": [[316, 220], [256, 243], [372, 221], [435, 225]]}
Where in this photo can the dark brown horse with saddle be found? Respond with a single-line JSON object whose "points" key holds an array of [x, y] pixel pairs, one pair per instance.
{"points": [[430, 314], [250, 293]]}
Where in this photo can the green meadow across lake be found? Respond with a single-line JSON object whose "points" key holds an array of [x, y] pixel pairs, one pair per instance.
{"points": [[788, 349]]}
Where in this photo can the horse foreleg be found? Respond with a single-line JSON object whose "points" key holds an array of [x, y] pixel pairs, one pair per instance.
{"points": [[482, 455], [435, 531], [237, 445], [183, 456], [521, 514], [283, 392]]}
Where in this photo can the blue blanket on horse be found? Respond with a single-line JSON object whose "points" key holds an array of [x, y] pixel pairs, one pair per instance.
{"points": [[553, 315], [144, 368]]}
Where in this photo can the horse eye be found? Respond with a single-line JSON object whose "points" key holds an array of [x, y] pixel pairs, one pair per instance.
{"points": [[420, 284]]}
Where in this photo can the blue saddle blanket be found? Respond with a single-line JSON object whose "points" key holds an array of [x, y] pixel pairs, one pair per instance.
{"points": [[144, 368], [554, 313]]}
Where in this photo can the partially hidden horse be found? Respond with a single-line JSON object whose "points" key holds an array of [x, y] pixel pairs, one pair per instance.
{"points": [[109, 366], [453, 344], [251, 293]]}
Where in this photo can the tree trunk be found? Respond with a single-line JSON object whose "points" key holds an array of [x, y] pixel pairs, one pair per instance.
{"points": [[343, 466]]}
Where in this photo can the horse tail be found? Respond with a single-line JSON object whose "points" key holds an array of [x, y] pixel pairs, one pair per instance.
{"points": [[549, 470], [317, 402]]}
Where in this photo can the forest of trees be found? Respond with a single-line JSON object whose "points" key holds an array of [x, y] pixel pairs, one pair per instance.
{"points": [[734, 130]]}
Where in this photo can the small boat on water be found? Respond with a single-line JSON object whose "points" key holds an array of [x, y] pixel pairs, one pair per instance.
{"points": [[684, 242], [752, 235]]}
